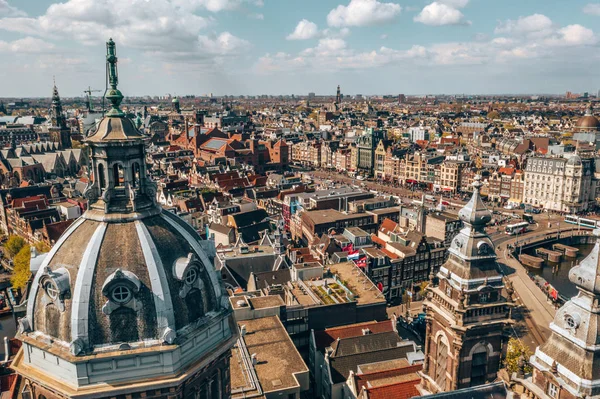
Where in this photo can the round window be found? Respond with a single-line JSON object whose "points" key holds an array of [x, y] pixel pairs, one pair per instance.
{"points": [[570, 321], [191, 276], [121, 294], [51, 289]]}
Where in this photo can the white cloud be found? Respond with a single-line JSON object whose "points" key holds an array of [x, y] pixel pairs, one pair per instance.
{"points": [[26, 45], [440, 13], [6, 10], [304, 30], [521, 44], [592, 9], [455, 3], [223, 44], [214, 5], [537, 25], [573, 35], [363, 13], [159, 27]]}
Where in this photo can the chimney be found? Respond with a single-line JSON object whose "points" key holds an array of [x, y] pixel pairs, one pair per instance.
{"points": [[243, 330], [254, 359]]}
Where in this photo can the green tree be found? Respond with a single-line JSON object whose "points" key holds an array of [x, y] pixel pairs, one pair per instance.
{"points": [[515, 349], [21, 272], [41, 247], [13, 245]]}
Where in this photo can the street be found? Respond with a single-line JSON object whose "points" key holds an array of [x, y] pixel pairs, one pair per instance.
{"points": [[536, 312]]}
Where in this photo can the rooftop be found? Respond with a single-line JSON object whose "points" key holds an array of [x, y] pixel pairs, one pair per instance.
{"points": [[277, 358], [365, 292], [268, 301]]}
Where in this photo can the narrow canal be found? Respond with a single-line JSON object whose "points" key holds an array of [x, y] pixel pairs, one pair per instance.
{"points": [[557, 274]]}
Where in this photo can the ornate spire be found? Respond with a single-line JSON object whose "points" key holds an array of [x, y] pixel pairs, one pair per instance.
{"points": [[113, 95], [475, 213], [56, 116]]}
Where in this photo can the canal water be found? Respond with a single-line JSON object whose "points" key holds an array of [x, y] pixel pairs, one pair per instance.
{"points": [[557, 274]]}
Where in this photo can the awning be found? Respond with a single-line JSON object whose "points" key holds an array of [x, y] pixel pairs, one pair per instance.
{"points": [[447, 189], [411, 181]]}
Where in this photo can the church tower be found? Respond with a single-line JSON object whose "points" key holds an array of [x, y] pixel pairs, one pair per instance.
{"points": [[468, 310], [338, 96], [59, 132], [567, 365]]}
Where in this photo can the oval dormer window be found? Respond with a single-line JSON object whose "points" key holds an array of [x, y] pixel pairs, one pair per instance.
{"points": [[51, 290], [191, 276], [121, 294], [572, 322]]}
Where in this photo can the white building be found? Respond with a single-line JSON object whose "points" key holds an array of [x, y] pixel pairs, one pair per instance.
{"points": [[560, 184]]}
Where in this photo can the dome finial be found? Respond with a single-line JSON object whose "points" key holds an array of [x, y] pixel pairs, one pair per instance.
{"points": [[113, 95], [474, 212]]}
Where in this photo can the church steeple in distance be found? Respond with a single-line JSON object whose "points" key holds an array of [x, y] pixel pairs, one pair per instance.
{"points": [[338, 96], [59, 132]]}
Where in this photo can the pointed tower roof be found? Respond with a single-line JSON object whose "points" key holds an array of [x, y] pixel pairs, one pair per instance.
{"points": [[472, 254], [474, 213]]}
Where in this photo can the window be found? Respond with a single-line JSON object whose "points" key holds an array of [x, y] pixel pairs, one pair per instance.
{"points": [[51, 290], [552, 390], [191, 276], [121, 294], [478, 368]]}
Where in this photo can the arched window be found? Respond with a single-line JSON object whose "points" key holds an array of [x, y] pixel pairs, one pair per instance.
{"points": [[101, 181], [118, 176], [441, 361]]}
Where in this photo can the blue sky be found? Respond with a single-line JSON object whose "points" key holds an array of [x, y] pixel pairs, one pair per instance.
{"points": [[300, 46]]}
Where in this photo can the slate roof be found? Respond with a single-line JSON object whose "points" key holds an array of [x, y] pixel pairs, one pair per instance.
{"points": [[351, 352]]}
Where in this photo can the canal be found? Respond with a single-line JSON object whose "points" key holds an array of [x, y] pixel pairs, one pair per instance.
{"points": [[557, 274]]}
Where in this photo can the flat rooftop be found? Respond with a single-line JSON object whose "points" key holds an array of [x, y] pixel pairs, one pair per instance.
{"points": [[444, 216], [278, 359], [331, 216], [269, 301], [385, 211], [253, 251], [365, 292]]}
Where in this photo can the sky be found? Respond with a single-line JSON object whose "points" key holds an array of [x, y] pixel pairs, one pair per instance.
{"points": [[250, 47]]}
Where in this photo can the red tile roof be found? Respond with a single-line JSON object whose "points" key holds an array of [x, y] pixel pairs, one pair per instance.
{"points": [[387, 226], [377, 240], [403, 390]]}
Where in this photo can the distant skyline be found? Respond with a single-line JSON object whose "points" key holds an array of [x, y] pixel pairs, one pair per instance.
{"points": [[253, 47]]}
